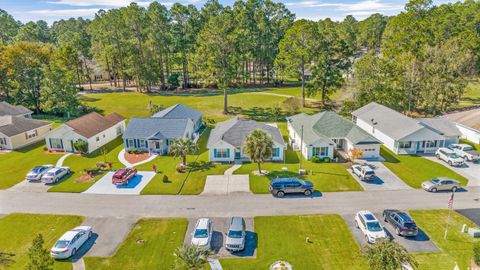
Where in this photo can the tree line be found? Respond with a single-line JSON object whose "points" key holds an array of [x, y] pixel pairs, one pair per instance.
{"points": [[418, 60]]}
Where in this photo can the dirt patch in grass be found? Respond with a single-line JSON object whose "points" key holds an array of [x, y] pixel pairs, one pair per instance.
{"points": [[87, 177], [134, 158]]}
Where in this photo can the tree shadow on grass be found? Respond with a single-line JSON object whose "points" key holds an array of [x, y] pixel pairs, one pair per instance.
{"points": [[200, 166], [260, 114]]}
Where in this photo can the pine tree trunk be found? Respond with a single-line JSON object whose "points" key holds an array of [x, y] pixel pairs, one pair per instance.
{"points": [[225, 102]]}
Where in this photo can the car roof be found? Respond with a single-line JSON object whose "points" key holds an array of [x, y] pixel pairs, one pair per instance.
{"points": [[404, 216], [448, 150], [369, 216], [445, 178], [236, 224], [285, 180], [55, 169], [463, 145], [68, 236], [202, 223]]}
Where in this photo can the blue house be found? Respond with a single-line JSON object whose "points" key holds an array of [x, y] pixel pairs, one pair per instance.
{"points": [[180, 111]]}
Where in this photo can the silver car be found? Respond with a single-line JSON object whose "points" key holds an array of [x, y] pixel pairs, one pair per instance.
{"points": [[236, 235], [36, 173], [441, 183]]}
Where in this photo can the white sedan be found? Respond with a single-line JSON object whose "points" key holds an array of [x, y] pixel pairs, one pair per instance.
{"points": [[202, 233], [55, 174], [70, 242]]}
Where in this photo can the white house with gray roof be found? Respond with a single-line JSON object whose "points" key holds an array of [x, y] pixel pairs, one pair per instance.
{"points": [[226, 140], [155, 134], [319, 135], [402, 134]]}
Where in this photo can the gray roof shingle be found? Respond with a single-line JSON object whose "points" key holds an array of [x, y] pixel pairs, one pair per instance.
{"points": [[156, 128], [235, 130], [178, 111], [442, 125], [8, 109], [14, 125], [327, 125]]}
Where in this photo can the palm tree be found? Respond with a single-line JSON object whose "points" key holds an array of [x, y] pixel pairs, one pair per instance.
{"points": [[259, 147], [182, 147], [192, 257], [387, 255]]}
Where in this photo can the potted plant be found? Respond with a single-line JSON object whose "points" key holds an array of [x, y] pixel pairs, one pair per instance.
{"points": [[281, 265]]}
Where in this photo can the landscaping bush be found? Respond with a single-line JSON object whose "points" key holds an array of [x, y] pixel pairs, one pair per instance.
{"points": [[101, 165], [92, 171], [316, 160], [165, 179], [134, 151], [81, 146], [327, 160], [180, 168], [476, 253]]}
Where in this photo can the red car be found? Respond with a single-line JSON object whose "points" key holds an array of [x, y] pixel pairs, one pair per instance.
{"points": [[122, 176]]}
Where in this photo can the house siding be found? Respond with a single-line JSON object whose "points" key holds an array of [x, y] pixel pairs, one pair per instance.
{"points": [[20, 140], [470, 134]]}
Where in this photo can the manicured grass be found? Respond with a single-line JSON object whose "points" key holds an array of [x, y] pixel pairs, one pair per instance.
{"points": [[471, 96], [18, 230], [78, 164], [297, 92], [16, 164], [283, 238], [183, 183], [161, 237], [414, 170], [456, 249]]}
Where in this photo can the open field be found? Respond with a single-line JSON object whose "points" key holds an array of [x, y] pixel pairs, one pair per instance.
{"points": [[150, 245], [16, 164], [78, 163], [471, 96], [283, 238], [456, 249], [18, 230], [414, 170]]}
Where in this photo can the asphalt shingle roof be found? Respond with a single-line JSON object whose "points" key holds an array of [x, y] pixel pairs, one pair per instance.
{"points": [[235, 130], [156, 128], [178, 111], [93, 123], [327, 125], [14, 125], [469, 118], [442, 125], [8, 109]]}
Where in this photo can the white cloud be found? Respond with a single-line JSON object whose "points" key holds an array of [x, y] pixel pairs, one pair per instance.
{"points": [[64, 12], [366, 5], [86, 3]]}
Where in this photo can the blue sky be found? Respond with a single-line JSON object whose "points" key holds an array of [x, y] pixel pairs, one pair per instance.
{"points": [[51, 10]]}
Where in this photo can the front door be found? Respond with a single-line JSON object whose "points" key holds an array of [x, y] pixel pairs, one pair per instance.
{"points": [[238, 154]]}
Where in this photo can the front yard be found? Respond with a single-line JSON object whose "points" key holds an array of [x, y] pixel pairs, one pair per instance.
{"points": [[414, 170], [18, 230], [16, 164], [456, 249], [150, 245], [331, 244]]}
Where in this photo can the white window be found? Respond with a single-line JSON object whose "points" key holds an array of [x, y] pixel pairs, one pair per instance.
{"points": [[222, 153], [31, 134], [131, 143], [103, 135], [404, 145], [142, 143], [3, 141], [119, 130], [430, 144], [56, 143], [97, 138]]}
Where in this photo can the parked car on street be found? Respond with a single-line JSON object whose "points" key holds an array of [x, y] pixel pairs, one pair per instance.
{"points": [[202, 233], [370, 226], [449, 156], [36, 173], [236, 235], [441, 183], [281, 186], [364, 172], [467, 152], [70, 242], [402, 223], [55, 174], [123, 176]]}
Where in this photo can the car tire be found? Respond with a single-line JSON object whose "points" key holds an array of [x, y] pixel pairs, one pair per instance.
{"points": [[356, 225], [450, 163], [434, 190], [74, 251], [280, 194], [454, 189], [307, 192], [366, 238], [438, 156]]}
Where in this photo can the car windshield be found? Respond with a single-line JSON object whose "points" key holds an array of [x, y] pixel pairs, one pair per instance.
{"points": [[37, 169], [453, 155], [235, 234], [61, 244], [201, 233], [410, 225], [369, 173], [374, 226], [50, 173], [435, 181]]}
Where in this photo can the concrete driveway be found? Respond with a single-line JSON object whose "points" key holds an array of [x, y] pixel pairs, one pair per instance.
{"points": [[385, 180], [220, 227], [26, 186], [136, 184], [226, 184], [420, 243], [469, 170]]}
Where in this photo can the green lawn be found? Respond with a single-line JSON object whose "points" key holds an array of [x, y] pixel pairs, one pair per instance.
{"points": [[456, 249], [283, 238], [471, 96], [192, 182], [78, 163], [161, 237], [16, 164], [414, 170], [18, 230]]}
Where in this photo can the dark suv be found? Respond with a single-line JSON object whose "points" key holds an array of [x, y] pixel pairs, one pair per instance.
{"points": [[401, 222], [281, 186]]}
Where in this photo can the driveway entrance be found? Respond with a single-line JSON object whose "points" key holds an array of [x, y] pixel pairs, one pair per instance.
{"points": [[385, 180], [135, 185]]}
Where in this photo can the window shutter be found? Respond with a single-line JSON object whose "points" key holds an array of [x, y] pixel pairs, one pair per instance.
{"points": [[126, 143], [228, 152], [215, 153], [50, 142]]}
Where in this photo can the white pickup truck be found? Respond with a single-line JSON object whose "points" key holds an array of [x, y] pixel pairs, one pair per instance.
{"points": [[364, 172], [466, 151]]}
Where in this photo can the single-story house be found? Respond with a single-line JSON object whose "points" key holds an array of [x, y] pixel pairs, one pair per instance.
{"points": [[19, 131], [155, 135], [18, 110], [94, 128], [180, 111], [447, 128], [225, 143], [468, 122], [319, 135], [400, 133]]}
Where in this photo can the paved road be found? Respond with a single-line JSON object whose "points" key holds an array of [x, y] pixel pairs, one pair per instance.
{"points": [[469, 170], [247, 205]]}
